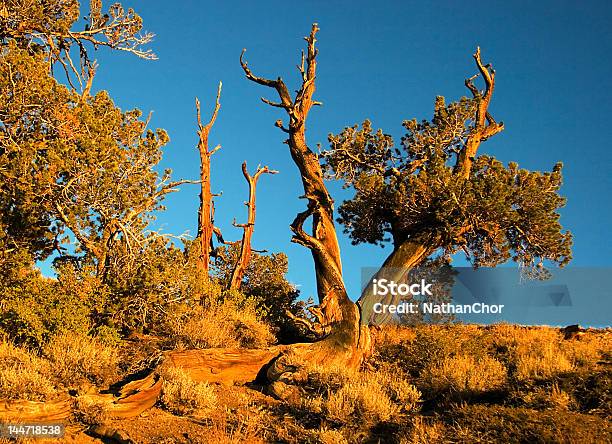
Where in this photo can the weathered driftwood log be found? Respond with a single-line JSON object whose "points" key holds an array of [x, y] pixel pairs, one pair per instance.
{"points": [[36, 411], [134, 398]]}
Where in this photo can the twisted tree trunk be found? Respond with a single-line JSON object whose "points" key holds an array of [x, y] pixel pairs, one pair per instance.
{"points": [[326, 255], [405, 257], [337, 317]]}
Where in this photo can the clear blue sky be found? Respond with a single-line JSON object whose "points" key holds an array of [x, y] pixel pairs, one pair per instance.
{"points": [[385, 61]]}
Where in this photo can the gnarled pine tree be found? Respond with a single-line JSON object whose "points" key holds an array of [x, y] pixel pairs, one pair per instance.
{"points": [[433, 196]]}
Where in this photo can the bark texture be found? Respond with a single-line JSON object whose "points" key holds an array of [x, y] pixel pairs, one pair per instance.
{"points": [[133, 399], [225, 365], [398, 264]]}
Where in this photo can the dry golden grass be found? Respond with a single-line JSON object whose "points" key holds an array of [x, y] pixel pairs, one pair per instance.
{"points": [[529, 353], [465, 374], [541, 362], [221, 324], [181, 395], [330, 377], [587, 350], [547, 397], [423, 432], [236, 429], [392, 334], [23, 375], [362, 396], [76, 357], [558, 398], [403, 394], [553, 387], [537, 353], [330, 436]]}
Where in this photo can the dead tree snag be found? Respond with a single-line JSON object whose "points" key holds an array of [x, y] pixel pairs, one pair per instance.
{"points": [[206, 211], [337, 316], [486, 126], [244, 256], [326, 255]]}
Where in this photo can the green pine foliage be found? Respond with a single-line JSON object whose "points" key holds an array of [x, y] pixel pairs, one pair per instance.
{"points": [[410, 190]]}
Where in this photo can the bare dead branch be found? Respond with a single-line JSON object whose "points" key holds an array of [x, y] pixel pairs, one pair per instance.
{"points": [[485, 125]]}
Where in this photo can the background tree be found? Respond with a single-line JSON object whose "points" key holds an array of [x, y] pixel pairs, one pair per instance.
{"points": [[47, 27], [73, 167], [108, 186], [31, 108], [78, 176], [265, 281], [432, 196]]}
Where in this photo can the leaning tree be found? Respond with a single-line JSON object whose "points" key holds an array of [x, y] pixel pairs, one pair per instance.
{"points": [[431, 196]]}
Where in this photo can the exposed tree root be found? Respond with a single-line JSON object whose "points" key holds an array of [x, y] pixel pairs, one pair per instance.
{"points": [[222, 365], [281, 367]]}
